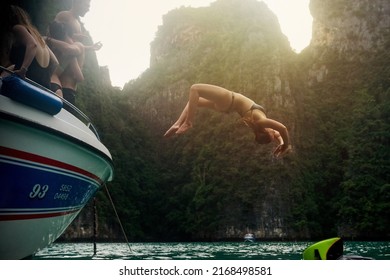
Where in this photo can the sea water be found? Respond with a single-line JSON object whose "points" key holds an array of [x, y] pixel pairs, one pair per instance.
{"points": [[202, 251]]}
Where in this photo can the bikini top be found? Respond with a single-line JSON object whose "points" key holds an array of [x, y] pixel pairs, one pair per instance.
{"points": [[249, 122], [254, 107]]}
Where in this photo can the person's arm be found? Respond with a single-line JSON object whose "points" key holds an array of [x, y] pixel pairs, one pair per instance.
{"points": [[284, 146], [25, 38], [270, 123], [7, 73], [64, 47], [282, 150], [278, 137], [72, 49], [95, 47], [79, 37]]}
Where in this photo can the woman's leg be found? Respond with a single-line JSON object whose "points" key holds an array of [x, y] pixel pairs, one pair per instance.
{"points": [[201, 95], [204, 95], [172, 130], [190, 109], [183, 116]]}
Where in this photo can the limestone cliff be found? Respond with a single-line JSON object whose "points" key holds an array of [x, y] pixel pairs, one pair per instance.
{"points": [[352, 30], [351, 27]]}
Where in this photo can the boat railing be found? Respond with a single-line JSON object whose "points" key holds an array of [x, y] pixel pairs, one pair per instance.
{"points": [[69, 106], [80, 115]]}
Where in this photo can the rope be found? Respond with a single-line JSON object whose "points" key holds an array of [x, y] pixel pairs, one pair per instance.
{"points": [[117, 216], [94, 226]]}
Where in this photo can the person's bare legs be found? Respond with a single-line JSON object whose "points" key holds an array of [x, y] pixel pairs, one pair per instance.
{"points": [[172, 130], [201, 95], [191, 110], [185, 120]]}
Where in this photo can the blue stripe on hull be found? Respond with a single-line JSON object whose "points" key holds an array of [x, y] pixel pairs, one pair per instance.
{"points": [[33, 186]]}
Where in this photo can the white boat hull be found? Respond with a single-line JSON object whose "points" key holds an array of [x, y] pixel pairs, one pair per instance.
{"points": [[50, 167], [23, 242]]}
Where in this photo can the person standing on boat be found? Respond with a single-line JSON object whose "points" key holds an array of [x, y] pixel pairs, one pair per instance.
{"points": [[220, 99], [69, 55], [26, 52], [75, 33]]}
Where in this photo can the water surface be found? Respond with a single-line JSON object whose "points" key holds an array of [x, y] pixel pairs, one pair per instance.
{"points": [[203, 250]]}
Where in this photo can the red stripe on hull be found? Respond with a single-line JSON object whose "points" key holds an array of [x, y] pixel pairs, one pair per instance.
{"points": [[47, 161], [16, 217]]}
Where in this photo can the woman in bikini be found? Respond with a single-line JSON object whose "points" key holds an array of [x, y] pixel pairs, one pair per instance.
{"points": [[26, 52], [222, 100]]}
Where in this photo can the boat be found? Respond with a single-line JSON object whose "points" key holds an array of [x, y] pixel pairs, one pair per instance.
{"points": [[51, 164], [329, 249], [249, 237]]}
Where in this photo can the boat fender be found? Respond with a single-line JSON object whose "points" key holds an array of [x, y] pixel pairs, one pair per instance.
{"points": [[30, 95]]}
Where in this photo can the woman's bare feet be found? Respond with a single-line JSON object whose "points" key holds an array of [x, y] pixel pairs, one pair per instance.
{"points": [[183, 128], [171, 131]]}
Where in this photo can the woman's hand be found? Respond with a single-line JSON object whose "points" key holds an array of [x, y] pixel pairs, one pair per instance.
{"points": [[7, 72], [21, 72], [97, 46], [282, 150]]}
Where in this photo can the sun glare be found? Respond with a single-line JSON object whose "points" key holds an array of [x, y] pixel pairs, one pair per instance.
{"points": [[126, 29]]}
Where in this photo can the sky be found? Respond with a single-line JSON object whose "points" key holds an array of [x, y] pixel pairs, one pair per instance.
{"points": [[127, 27]]}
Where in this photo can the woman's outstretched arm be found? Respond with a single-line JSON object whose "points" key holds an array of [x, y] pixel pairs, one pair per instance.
{"points": [[285, 147]]}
